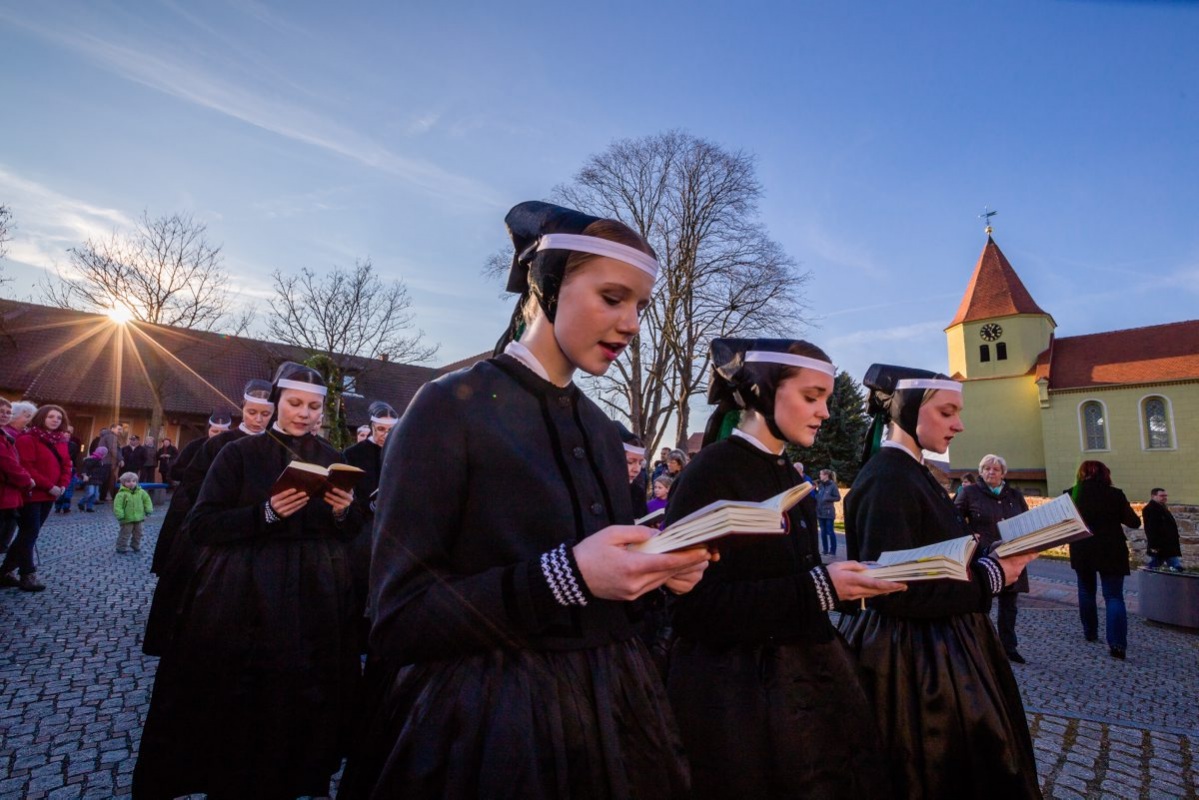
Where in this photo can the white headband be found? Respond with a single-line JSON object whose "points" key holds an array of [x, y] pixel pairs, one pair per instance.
{"points": [[388, 421], [637, 451], [251, 399], [220, 426], [314, 388], [600, 247], [791, 360], [928, 383]]}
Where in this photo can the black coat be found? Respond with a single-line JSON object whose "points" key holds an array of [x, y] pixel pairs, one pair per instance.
{"points": [[766, 693], [484, 685], [256, 695], [1161, 531], [982, 510], [1105, 510], [946, 701]]}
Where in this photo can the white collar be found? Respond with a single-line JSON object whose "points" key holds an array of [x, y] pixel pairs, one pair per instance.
{"points": [[275, 427], [525, 356], [898, 446], [756, 442], [242, 427]]}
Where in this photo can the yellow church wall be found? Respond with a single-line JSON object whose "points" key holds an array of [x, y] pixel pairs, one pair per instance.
{"points": [[1001, 416], [1135, 468], [1026, 336]]}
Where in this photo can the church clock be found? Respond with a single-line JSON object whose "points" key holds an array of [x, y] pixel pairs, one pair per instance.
{"points": [[990, 332]]}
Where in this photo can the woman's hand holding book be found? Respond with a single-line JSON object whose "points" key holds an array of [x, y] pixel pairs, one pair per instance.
{"points": [[1014, 565], [852, 582], [288, 502], [613, 572]]}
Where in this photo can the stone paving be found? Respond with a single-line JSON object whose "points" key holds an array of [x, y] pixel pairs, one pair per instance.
{"points": [[74, 685]]}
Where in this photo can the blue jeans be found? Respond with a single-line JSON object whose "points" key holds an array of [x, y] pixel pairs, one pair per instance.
{"points": [[64, 499], [828, 537], [89, 499], [1173, 562], [1113, 603]]}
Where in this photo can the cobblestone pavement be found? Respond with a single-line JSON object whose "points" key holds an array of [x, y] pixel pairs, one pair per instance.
{"points": [[74, 685]]}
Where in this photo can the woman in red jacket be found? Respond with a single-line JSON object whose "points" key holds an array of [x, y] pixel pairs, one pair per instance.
{"points": [[15, 482], [44, 455]]}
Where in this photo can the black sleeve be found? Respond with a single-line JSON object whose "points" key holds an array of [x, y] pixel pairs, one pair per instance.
{"points": [[179, 468], [888, 516], [720, 605], [1127, 516], [424, 610]]}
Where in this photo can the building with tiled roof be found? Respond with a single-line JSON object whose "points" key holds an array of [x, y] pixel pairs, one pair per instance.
{"points": [[1128, 398], [102, 372]]}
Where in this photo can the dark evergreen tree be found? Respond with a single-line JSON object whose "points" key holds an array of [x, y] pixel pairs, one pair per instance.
{"points": [[839, 443]]}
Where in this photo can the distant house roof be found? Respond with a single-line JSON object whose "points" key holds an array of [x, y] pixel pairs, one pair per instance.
{"points": [[464, 363], [995, 290], [1154, 354], [72, 358]]}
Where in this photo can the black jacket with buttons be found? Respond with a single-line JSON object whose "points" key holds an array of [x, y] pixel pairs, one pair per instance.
{"points": [[489, 468]]}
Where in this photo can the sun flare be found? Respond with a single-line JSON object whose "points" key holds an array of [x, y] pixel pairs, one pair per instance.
{"points": [[119, 314]]}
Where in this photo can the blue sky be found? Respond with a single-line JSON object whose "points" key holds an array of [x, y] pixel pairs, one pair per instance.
{"points": [[309, 134]]}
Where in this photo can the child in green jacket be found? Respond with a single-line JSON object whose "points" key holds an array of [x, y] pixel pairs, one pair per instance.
{"points": [[131, 505]]}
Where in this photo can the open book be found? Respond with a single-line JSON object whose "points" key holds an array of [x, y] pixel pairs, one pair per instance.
{"points": [[652, 519], [1040, 528], [314, 480], [724, 518], [948, 559]]}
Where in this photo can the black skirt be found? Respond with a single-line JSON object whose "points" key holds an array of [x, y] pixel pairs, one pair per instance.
{"points": [[767, 721], [947, 704], [256, 697], [590, 723]]}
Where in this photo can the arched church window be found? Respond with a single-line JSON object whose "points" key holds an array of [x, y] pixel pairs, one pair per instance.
{"points": [[1156, 422], [1094, 426]]}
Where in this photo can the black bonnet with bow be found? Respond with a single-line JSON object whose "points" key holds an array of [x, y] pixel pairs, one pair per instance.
{"points": [[896, 394], [746, 374], [543, 237]]}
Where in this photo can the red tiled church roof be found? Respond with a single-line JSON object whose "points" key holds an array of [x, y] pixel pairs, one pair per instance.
{"points": [[1152, 354], [994, 290]]}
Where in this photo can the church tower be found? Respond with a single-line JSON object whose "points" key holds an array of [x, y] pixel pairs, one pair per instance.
{"points": [[994, 341]]}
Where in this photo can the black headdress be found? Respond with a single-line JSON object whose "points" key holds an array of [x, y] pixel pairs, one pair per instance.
{"points": [[257, 391], [382, 413], [632, 442], [543, 237], [291, 375], [220, 418], [746, 374], [896, 394]]}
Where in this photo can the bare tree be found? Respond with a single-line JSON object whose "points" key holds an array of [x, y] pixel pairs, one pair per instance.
{"points": [[165, 272], [6, 227], [722, 275], [347, 312]]}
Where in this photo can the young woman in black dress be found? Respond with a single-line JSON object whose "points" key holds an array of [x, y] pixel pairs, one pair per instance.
{"points": [[256, 695], [500, 581], [947, 704], [763, 687]]}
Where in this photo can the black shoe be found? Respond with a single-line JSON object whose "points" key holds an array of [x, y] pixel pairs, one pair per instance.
{"points": [[9, 580], [1117, 652], [1091, 638], [1015, 657], [30, 583], [91, 511]]}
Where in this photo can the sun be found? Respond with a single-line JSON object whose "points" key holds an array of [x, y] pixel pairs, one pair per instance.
{"points": [[119, 314]]}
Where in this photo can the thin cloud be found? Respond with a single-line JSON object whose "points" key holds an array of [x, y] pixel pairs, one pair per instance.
{"points": [[170, 74]]}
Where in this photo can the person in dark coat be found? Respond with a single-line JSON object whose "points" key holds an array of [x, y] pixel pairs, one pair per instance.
{"points": [[634, 455], [982, 505], [367, 455], [1105, 510], [182, 498], [765, 692], [500, 580], [175, 554], [167, 453], [133, 455], [15, 480], [63, 504], [95, 472], [110, 440], [255, 696], [1161, 533], [827, 496], [947, 704]]}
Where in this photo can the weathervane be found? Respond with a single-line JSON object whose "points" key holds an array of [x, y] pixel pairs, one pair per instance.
{"points": [[986, 217]]}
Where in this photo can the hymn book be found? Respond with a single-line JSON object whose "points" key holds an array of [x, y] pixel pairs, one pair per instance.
{"points": [[652, 519], [726, 518], [314, 480], [948, 559], [1049, 525]]}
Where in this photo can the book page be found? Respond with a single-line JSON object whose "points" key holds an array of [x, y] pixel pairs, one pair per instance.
{"points": [[957, 550], [1045, 516]]}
